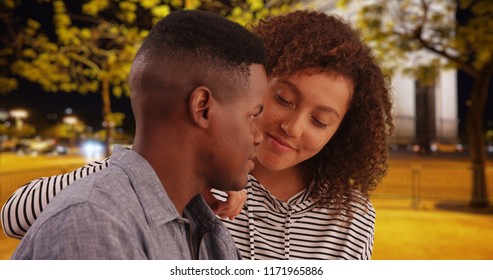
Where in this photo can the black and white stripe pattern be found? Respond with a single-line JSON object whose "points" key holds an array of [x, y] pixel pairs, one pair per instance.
{"points": [[25, 204], [268, 228]]}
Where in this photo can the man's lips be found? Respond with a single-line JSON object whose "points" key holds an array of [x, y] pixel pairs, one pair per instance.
{"points": [[280, 144]]}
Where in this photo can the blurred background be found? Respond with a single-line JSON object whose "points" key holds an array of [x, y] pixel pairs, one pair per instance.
{"points": [[64, 102]]}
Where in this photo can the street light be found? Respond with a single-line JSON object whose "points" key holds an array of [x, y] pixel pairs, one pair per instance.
{"points": [[19, 115], [3, 115], [71, 121]]}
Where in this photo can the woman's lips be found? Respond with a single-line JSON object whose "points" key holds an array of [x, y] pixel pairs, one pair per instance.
{"points": [[278, 144]]}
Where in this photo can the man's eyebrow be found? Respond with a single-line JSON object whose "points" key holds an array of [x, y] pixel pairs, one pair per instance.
{"points": [[295, 89]]}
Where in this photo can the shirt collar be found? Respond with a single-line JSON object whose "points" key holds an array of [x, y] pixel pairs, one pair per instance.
{"points": [[156, 204], [198, 210]]}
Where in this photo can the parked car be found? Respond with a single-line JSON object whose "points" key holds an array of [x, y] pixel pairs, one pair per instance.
{"points": [[446, 147], [489, 148], [436, 147], [39, 146], [8, 145]]}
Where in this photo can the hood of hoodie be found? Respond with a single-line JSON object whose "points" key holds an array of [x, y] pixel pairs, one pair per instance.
{"points": [[261, 203]]}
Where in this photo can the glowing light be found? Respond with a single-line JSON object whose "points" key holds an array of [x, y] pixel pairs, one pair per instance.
{"points": [[92, 150]]}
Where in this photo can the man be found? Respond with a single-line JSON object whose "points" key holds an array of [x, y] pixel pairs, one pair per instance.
{"points": [[196, 84]]}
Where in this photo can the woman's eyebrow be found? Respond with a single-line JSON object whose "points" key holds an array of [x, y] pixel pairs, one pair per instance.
{"points": [[291, 86], [296, 90], [328, 109]]}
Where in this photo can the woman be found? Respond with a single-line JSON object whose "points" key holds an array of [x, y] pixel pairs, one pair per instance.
{"points": [[308, 197]]}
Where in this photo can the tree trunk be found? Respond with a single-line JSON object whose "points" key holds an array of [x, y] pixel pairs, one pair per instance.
{"points": [[106, 114], [476, 141]]}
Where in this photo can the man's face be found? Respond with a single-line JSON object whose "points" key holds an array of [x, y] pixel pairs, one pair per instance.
{"points": [[236, 134]]}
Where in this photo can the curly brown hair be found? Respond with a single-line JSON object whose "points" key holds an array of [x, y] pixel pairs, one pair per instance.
{"points": [[355, 158]]}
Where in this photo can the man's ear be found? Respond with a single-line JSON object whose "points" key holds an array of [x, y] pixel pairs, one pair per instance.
{"points": [[200, 103]]}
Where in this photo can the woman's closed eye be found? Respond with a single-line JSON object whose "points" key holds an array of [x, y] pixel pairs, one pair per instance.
{"points": [[282, 100], [319, 123]]}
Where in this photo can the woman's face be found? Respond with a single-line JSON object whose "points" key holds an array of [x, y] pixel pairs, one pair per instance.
{"points": [[301, 113]]}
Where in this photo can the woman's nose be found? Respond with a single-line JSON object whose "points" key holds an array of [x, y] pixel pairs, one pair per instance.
{"points": [[292, 125]]}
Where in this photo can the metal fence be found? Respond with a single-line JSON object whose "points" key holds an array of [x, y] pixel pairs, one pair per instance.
{"points": [[429, 181], [12, 180], [413, 182]]}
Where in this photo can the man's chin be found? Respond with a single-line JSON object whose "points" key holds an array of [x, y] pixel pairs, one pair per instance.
{"points": [[233, 185], [240, 184]]}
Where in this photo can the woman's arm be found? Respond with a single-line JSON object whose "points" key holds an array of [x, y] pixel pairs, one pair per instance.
{"points": [[226, 204], [27, 202]]}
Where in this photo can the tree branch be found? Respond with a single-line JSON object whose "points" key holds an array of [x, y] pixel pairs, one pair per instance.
{"points": [[488, 69], [84, 61], [88, 19], [443, 53]]}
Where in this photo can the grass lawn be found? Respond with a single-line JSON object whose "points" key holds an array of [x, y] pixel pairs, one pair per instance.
{"points": [[431, 234], [38, 166], [7, 246]]}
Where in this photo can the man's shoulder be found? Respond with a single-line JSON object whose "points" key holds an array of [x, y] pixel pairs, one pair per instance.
{"points": [[90, 189], [79, 230], [99, 204], [106, 191]]}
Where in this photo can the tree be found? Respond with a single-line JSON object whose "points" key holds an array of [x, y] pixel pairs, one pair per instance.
{"points": [[24, 131], [409, 28], [9, 45], [93, 43], [64, 130]]}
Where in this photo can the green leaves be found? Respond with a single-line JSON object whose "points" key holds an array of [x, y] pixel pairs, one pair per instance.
{"points": [[101, 40], [400, 31]]}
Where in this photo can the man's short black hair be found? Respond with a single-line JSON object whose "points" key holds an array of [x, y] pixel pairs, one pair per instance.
{"points": [[206, 33], [190, 48]]}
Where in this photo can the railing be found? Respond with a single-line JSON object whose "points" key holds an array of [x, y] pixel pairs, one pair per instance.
{"points": [[12, 180], [416, 182], [413, 182]]}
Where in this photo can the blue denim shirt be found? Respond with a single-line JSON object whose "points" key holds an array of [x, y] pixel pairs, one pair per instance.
{"points": [[124, 212]]}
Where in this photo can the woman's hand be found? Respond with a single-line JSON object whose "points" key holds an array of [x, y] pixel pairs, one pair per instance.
{"points": [[229, 208]]}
